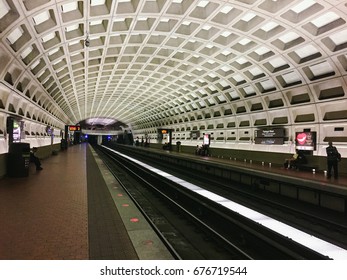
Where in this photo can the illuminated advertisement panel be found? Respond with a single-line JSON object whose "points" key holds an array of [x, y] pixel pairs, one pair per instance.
{"points": [[16, 131], [206, 139], [306, 140]]}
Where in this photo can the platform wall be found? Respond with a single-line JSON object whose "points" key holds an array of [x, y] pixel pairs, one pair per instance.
{"points": [[275, 158]]}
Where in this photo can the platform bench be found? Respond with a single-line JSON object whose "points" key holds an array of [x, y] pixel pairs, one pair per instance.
{"points": [[307, 167]]}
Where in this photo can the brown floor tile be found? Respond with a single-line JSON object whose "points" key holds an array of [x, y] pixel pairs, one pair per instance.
{"points": [[44, 216]]}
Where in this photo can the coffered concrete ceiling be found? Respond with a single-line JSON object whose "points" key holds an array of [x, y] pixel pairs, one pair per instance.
{"points": [[154, 63]]}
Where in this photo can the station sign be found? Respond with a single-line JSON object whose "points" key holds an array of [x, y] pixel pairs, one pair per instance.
{"points": [[195, 134], [269, 136], [269, 133], [74, 128]]}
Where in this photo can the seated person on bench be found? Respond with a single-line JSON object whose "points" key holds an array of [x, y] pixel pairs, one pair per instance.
{"points": [[295, 160], [35, 159]]}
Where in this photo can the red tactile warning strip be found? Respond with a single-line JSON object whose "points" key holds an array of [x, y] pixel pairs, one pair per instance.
{"points": [[44, 216], [108, 237]]}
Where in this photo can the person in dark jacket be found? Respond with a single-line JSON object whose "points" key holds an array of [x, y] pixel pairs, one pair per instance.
{"points": [[296, 159], [35, 159], [333, 157]]}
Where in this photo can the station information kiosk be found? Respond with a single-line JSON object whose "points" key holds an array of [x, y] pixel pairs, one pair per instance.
{"points": [[165, 136]]}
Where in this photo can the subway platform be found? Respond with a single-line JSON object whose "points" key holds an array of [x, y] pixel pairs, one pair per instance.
{"points": [[72, 210]]}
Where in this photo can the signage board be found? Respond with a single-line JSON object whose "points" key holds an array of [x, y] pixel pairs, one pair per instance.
{"points": [[269, 141], [74, 128], [206, 139], [269, 132], [269, 136], [306, 140], [195, 134]]}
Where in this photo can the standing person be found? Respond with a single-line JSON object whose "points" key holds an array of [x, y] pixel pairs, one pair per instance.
{"points": [[333, 156]]}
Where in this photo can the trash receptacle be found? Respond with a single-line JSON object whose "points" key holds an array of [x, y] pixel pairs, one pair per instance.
{"points": [[63, 144], [178, 146], [18, 160]]}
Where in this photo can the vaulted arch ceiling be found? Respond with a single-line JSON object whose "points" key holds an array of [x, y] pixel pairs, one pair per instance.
{"points": [[149, 62]]}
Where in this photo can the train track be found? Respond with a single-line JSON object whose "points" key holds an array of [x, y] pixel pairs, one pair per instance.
{"points": [[179, 230], [194, 227], [323, 223]]}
